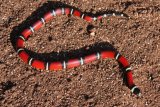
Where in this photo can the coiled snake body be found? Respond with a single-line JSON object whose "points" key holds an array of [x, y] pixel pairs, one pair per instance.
{"points": [[39, 64]]}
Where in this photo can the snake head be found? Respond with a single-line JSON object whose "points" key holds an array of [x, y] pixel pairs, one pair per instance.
{"points": [[135, 90]]}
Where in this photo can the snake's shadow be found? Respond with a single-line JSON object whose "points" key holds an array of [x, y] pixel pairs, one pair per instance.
{"points": [[63, 55]]}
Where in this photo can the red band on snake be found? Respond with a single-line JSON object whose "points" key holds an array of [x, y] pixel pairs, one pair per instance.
{"points": [[72, 62]]}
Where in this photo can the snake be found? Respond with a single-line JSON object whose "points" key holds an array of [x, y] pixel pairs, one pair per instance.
{"points": [[75, 62]]}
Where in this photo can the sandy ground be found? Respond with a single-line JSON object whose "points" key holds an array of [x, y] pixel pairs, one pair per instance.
{"points": [[98, 84]]}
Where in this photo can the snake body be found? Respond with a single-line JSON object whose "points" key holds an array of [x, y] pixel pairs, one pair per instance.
{"points": [[59, 65]]}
